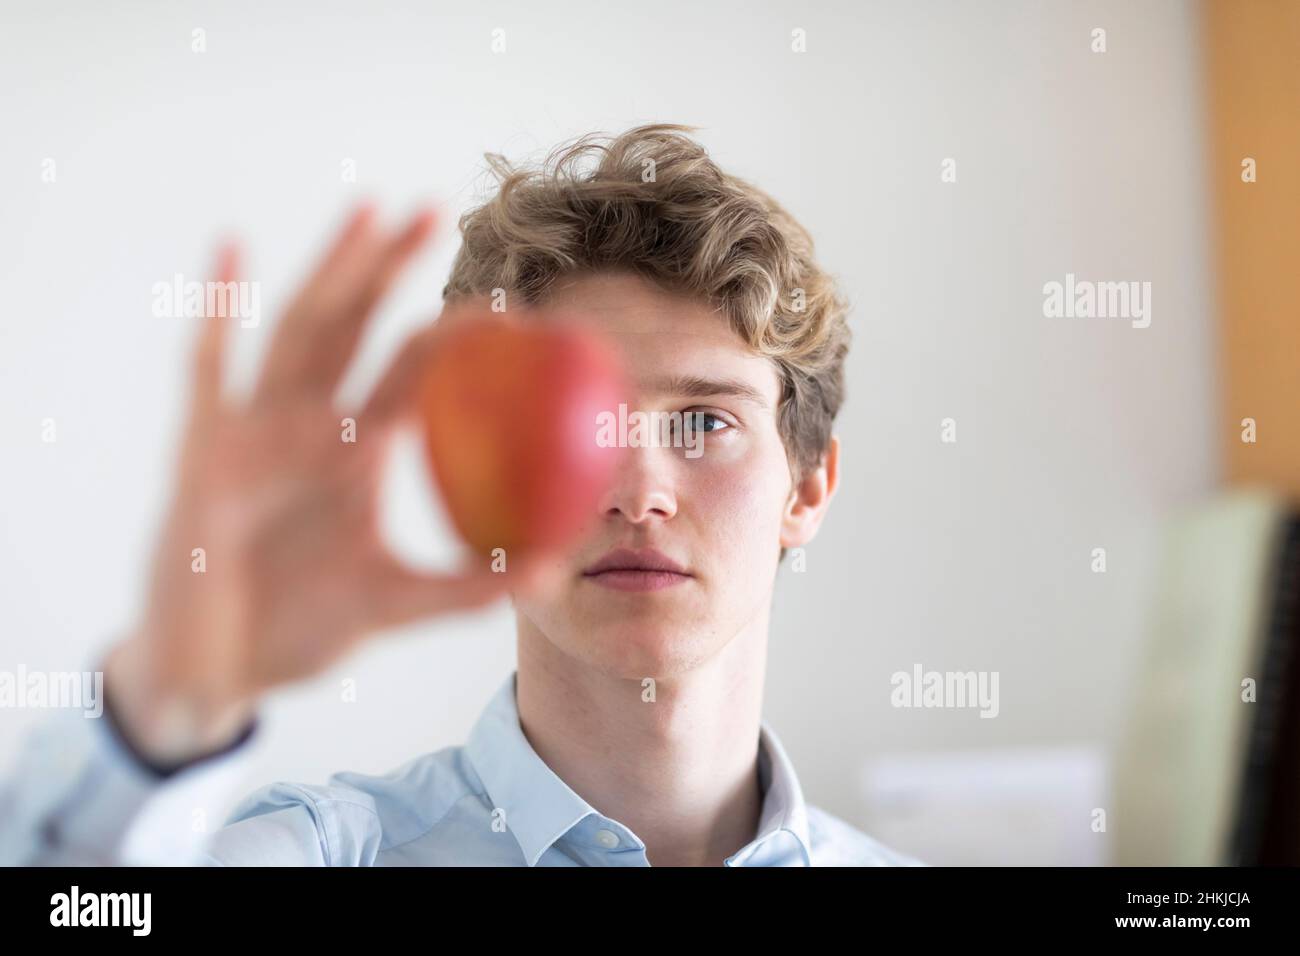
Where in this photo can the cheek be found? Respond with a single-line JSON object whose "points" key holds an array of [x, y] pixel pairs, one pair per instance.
{"points": [[738, 496]]}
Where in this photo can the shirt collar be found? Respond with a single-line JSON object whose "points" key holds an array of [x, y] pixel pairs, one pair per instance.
{"points": [[540, 808], [784, 810]]}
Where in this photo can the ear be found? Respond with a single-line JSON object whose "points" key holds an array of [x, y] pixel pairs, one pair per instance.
{"points": [[809, 499]]}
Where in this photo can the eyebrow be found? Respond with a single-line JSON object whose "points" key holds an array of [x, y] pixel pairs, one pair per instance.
{"points": [[697, 386]]}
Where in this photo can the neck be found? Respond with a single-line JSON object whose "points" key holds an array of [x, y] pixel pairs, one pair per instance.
{"points": [[682, 771]]}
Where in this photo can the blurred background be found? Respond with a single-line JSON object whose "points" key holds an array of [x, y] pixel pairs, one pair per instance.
{"points": [[1106, 533]]}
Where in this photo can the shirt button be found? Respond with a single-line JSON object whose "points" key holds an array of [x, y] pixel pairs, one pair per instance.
{"points": [[607, 838]]}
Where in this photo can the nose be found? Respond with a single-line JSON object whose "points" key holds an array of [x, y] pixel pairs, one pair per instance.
{"points": [[642, 489]]}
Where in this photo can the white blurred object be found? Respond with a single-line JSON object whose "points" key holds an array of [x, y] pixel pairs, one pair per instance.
{"points": [[1022, 807]]}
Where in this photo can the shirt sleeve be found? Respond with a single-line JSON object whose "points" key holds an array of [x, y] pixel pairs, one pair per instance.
{"points": [[80, 795]]}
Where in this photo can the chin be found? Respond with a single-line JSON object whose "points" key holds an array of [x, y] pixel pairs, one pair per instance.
{"points": [[630, 637], [635, 653], [639, 646]]}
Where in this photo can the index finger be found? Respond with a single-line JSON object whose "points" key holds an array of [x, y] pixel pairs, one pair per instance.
{"points": [[319, 332]]}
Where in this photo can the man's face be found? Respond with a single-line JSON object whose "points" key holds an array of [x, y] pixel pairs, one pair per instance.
{"points": [[716, 513]]}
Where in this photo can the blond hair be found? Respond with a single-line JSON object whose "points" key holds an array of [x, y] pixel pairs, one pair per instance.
{"points": [[652, 202]]}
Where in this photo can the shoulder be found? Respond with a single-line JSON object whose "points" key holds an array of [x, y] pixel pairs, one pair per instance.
{"points": [[837, 843], [356, 816]]}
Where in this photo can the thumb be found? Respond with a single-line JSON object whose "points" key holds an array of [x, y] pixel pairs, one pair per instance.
{"points": [[401, 595]]}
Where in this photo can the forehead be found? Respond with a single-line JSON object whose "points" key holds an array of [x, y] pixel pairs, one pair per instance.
{"points": [[663, 334]]}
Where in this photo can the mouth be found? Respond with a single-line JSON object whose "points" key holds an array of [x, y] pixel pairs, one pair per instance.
{"points": [[625, 569]]}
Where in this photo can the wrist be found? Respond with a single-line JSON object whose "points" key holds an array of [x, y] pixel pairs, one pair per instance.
{"points": [[167, 725]]}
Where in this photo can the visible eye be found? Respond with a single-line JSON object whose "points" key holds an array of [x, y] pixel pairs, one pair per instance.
{"points": [[711, 423], [689, 428]]}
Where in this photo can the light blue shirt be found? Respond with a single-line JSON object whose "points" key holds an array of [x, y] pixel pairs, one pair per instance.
{"points": [[491, 802]]}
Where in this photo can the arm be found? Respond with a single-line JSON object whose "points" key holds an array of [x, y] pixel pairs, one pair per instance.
{"points": [[269, 568]]}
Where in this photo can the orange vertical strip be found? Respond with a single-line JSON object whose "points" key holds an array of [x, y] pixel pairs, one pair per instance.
{"points": [[1253, 64]]}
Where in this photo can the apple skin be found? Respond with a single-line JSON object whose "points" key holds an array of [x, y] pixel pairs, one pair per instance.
{"points": [[509, 411]]}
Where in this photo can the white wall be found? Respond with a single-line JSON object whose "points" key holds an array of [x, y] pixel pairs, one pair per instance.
{"points": [[975, 556]]}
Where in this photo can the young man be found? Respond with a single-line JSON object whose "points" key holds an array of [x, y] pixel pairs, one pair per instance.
{"points": [[711, 291]]}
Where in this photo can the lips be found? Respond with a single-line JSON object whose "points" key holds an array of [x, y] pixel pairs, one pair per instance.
{"points": [[645, 569]]}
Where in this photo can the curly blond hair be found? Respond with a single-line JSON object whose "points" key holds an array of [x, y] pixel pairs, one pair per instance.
{"points": [[652, 202]]}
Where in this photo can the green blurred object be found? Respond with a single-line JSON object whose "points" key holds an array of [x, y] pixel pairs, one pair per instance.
{"points": [[1209, 774]]}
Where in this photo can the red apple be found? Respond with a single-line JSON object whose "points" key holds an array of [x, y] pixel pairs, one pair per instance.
{"points": [[510, 412]]}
